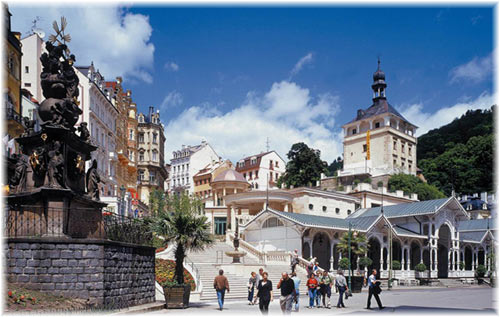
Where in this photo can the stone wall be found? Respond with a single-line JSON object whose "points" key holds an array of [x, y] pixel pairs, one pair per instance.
{"points": [[108, 274]]}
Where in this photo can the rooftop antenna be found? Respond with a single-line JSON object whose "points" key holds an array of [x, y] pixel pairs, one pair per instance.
{"points": [[267, 144]]}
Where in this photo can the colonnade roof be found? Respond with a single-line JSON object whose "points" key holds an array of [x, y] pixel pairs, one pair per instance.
{"points": [[475, 224], [473, 236], [404, 210]]}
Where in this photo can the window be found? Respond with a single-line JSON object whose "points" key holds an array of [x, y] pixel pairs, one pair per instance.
{"points": [[256, 186], [152, 177], [364, 148], [324, 208], [155, 156], [272, 222], [337, 211], [131, 134], [141, 158], [270, 164], [377, 125], [27, 84], [250, 175], [353, 131], [394, 162], [270, 177], [402, 147], [155, 138], [311, 206], [245, 175], [256, 174], [409, 150], [276, 165], [26, 69], [141, 137], [277, 176], [141, 175], [253, 161], [348, 211]]}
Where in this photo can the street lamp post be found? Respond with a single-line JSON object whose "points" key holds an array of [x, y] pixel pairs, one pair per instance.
{"points": [[389, 283], [349, 253]]}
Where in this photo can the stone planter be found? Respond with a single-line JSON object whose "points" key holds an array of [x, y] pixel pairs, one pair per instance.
{"points": [[424, 274], [177, 296]]}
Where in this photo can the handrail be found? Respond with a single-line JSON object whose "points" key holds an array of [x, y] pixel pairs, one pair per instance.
{"points": [[250, 249], [194, 271], [303, 263]]}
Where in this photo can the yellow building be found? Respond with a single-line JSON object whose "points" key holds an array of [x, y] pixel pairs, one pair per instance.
{"points": [[203, 179], [13, 80]]}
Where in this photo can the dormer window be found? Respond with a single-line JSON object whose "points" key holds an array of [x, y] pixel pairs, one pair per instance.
{"points": [[353, 131], [377, 125]]}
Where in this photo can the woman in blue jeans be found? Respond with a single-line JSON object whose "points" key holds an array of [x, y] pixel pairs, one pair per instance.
{"points": [[312, 285]]}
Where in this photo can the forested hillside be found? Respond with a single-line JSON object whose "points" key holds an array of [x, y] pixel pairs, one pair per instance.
{"points": [[459, 155]]}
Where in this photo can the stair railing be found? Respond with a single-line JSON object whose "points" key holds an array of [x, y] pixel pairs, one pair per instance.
{"points": [[261, 256], [189, 264]]}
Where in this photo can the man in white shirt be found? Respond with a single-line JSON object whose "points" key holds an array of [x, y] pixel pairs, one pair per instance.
{"points": [[373, 289]]}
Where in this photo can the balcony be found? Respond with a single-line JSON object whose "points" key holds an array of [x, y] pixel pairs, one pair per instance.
{"points": [[14, 120]]}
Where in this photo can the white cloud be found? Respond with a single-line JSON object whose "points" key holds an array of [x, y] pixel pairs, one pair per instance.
{"points": [[427, 121], [475, 71], [171, 66], [117, 41], [244, 129], [300, 64], [173, 99]]}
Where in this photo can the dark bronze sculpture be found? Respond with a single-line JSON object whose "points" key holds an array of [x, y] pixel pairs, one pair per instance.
{"points": [[84, 132], [93, 180], [29, 126], [55, 166], [17, 182], [236, 241]]}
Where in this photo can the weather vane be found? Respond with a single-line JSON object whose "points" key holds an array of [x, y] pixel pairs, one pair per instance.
{"points": [[60, 37]]}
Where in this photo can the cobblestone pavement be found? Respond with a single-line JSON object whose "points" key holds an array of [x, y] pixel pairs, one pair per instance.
{"points": [[472, 300]]}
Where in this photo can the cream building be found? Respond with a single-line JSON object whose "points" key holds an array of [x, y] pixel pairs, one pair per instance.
{"points": [[379, 141], [187, 162], [151, 146]]}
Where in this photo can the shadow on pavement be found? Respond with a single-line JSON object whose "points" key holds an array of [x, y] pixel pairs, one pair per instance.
{"points": [[421, 309]]}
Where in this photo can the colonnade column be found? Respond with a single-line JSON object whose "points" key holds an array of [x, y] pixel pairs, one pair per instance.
{"points": [[381, 258]]}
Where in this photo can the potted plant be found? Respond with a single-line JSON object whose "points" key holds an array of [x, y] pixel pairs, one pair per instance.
{"points": [[396, 265], [364, 263], [359, 246], [179, 222], [480, 272], [420, 271]]}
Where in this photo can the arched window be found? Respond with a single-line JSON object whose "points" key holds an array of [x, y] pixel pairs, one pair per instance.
{"points": [[272, 222], [311, 206], [348, 211], [324, 208]]}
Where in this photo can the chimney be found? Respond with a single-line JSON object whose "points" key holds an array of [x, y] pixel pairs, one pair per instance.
{"points": [[151, 112], [484, 197], [361, 113]]}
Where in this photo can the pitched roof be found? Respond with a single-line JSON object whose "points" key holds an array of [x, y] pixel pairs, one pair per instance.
{"points": [[327, 222], [402, 210], [380, 106], [474, 236], [230, 175], [475, 224]]}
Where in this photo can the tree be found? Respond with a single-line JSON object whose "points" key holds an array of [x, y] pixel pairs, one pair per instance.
{"points": [[359, 245], [180, 223], [304, 167], [157, 202], [336, 165], [412, 184]]}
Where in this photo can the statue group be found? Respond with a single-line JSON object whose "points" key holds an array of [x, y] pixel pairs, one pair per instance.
{"points": [[55, 156]]}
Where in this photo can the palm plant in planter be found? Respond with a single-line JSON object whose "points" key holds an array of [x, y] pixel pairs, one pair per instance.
{"points": [[480, 272], [181, 223], [359, 246]]}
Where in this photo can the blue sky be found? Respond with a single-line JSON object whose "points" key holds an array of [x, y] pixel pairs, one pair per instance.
{"points": [[235, 76]]}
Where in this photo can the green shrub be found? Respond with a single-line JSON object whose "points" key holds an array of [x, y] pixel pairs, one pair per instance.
{"points": [[367, 180], [344, 263], [481, 270], [396, 265], [356, 182], [365, 262], [380, 184], [421, 267], [341, 188]]}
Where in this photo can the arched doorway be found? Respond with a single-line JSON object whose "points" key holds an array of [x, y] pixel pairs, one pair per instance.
{"points": [[374, 254], [396, 252], [427, 258], [468, 258], [444, 243], [480, 257], [306, 251], [321, 250], [414, 255]]}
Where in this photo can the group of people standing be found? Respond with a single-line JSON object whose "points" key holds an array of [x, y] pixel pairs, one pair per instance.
{"points": [[319, 285]]}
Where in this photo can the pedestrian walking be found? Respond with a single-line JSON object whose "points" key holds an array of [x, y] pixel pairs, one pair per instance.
{"points": [[264, 293], [258, 279], [221, 285], [312, 285], [341, 285], [294, 260], [252, 282], [287, 287], [374, 290], [318, 289], [326, 283], [296, 298]]}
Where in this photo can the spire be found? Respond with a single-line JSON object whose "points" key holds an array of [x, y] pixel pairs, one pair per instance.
{"points": [[379, 84]]}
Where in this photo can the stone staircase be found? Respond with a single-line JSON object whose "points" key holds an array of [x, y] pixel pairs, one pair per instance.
{"points": [[208, 267]]}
